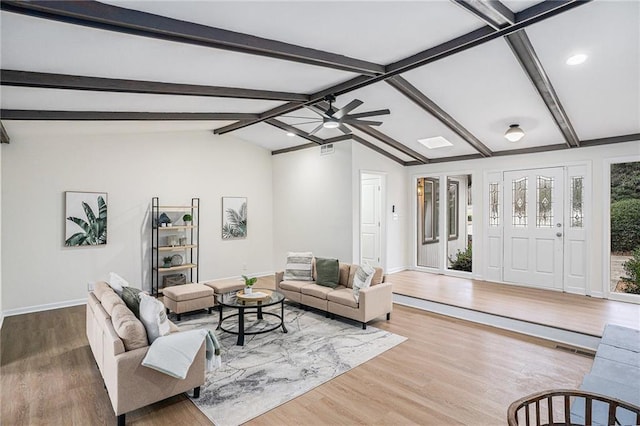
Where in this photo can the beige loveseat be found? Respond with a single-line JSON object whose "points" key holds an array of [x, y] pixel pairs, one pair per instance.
{"points": [[119, 346], [373, 302]]}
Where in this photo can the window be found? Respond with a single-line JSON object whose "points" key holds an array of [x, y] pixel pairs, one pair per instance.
{"points": [[519, 207], [452, 209], [494, 204], [544, 205], [577, 207], [430, 207]]}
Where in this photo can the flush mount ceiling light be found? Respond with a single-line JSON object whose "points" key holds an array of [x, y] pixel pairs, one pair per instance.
{"points": [[437, 142], [514, 133], [576, 59]]}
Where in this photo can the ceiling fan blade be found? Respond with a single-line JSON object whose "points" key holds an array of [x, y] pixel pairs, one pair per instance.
{"points": [[344, 129], [348, 107], [367, 122], [316, 130], [315, 109], [307, 122], [369, 113]]}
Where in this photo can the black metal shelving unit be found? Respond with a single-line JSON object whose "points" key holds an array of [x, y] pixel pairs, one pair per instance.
{"points": [[160, 235]]}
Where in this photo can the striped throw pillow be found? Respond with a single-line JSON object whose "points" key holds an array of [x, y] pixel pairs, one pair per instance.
{"points": [[298, 266]]}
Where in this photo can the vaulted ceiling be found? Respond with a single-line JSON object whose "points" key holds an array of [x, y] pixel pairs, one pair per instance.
{"points": [[463, 69]]}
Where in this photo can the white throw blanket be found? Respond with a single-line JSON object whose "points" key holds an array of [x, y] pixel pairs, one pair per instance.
{"points": [[173, 354]]}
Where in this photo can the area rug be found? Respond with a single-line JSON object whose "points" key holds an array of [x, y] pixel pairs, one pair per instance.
{"points": [[273, 368]]}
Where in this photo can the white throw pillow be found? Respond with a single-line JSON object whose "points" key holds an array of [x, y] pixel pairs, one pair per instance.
{"points": [[298, 266], [362, 279], [153, 316], [117, 283]]}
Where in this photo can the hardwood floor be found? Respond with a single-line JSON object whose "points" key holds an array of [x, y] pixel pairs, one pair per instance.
{"points": [[448, 372], [568, 311]]}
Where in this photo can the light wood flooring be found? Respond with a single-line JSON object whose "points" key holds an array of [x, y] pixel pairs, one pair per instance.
{"points": [[448, 372], [562, 310]]}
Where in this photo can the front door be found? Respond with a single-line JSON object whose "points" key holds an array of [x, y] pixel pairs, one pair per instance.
{"points": [[533, 227]]}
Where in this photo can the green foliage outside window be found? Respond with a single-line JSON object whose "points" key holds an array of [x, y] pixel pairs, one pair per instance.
{"points": [[463, 260], [632, 268], [625, 225]]}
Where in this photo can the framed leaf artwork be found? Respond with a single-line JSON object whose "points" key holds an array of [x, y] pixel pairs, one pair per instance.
{"points": [[85, 219], [234, 218]]}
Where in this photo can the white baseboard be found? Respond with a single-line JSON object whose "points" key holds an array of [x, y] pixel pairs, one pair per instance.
{"points": [[46, 307], [1, 319], [598, 294], [398, 269], [239, 277]]}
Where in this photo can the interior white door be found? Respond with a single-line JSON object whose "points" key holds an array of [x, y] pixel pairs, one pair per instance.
{"points": [[533, 227], [370, 212]]}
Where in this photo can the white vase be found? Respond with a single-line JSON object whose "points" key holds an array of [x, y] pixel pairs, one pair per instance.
{"points": [[247, 290]]}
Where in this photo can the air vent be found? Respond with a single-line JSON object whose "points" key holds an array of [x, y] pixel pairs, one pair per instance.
{"points": [[327, 149]]}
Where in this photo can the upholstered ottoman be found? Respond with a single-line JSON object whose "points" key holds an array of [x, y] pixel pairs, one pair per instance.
{"points": [[222, 287], [187, 298]]}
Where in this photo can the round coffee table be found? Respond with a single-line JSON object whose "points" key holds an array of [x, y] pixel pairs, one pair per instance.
{"points": [[244, 307]]}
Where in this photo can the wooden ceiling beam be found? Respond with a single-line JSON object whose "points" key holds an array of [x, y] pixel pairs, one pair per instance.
{"points": [[100, 84], [377, 134], [4, 136], [288, 128], [523, 50], [420, 99], [377, 149], [113, 18], [492, 12], [23, 114]]}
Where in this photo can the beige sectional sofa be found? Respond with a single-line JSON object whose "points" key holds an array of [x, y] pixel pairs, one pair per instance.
{"points": [[373, 302], [119, 344]]}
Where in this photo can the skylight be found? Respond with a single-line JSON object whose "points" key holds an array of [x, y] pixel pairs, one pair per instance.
{"points": [[434, 143]]}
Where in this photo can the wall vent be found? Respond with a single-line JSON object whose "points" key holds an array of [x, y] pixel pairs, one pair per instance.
{"points": [[327, 149]]}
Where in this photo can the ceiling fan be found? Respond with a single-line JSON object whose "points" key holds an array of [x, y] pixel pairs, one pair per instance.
{"points": [[332, 118]]}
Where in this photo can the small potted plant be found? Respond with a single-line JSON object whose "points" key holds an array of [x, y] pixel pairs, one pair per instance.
{"points": [[187, 218], [167, 262], [248, 282]]}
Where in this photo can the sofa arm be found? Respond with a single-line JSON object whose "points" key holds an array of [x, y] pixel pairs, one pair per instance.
{"points": [[376, 300], [132, 385], [279, 278]]}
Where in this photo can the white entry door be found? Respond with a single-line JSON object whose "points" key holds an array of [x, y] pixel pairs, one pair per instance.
{"points": [[533, 227], [370, 212]]}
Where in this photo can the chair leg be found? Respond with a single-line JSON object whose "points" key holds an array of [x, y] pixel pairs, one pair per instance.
{"points": [[196, 392], [168, 311], [388, 316], [178, 317], [364, 325], [121, 421]]}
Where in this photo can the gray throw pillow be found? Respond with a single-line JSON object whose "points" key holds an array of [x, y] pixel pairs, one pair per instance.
{"points": [[131, 299], [328, 272]]}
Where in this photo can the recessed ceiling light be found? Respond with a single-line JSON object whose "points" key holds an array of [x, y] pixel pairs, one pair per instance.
{"points": [[576, 59], [437, 142], [291, 134]]}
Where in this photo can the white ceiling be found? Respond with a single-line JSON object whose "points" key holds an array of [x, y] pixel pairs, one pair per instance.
{"points": [[483, 88]]}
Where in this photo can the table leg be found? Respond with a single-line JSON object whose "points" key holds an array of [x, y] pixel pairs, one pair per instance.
{"points": [[240, 341], [259, 312], [220, 321], [284, 329]]}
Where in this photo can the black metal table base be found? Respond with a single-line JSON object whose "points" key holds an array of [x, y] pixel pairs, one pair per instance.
{"points": [[251, 309]]}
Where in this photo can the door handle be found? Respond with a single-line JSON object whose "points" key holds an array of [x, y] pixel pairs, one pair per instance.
{"points": [[558, 234]]}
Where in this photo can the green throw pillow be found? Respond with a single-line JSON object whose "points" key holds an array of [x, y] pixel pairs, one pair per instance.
{"points": [[131, 299], [328, 272]]}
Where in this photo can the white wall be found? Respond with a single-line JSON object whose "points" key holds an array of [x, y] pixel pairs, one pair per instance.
{"points": [[1, 307], [593, 156], [46, 159], [312, 203], [395, 228]]}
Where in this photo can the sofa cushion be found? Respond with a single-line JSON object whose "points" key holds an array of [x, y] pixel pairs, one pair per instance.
{"points": [[299, 266], [129, 328], [153, 316], [377, 278], [362, 279], [293, 285], [110, 300], [100, 288], [328, 272], [344, 274], [318, 291], [131, 299], [343, 296], [182, 293]]}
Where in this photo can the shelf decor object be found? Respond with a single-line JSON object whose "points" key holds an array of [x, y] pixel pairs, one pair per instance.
{"points": [[179, 243], [234, 218], [86, 214]]}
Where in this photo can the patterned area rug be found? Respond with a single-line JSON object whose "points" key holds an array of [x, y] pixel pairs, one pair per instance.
{"points": [[273, 368]]}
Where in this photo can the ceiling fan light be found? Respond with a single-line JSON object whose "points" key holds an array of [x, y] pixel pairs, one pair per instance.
{"points": [[514, 133], [291, 134], [330, 124]]}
